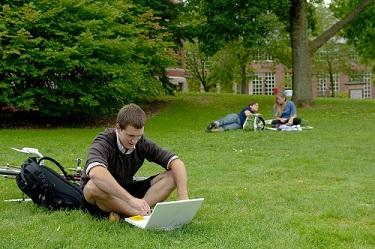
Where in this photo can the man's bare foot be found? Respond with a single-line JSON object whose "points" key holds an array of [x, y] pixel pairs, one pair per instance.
{"points": [[113, 217]]}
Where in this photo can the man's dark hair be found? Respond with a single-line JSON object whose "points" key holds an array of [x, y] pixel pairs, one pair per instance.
{"points": [[131, 114]]}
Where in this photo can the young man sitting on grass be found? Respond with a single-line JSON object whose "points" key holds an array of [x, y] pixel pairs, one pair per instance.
{"points": [[114, 158]]}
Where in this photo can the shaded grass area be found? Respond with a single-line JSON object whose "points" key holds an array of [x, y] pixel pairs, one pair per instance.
{"points": [[311, 189]]}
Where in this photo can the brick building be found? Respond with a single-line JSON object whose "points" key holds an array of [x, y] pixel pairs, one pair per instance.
{"points": [[267, 76]]}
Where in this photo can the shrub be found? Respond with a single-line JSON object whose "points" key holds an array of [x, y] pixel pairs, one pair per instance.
{"points": [[62, 57]]}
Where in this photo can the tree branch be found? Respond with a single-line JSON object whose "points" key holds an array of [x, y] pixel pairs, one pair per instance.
{"points": [[332, 31]]}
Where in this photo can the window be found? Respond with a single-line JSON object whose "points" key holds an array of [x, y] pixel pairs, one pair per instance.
{"points": [[336, 82], [324, 85], [263, 83], [257, 84], [362, 78], [269, 79], [368, 87]]}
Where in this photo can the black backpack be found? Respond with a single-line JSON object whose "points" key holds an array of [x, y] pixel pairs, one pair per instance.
{"points": [[46, 187]]}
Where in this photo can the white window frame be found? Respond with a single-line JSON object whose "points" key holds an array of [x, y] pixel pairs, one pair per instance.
{"points": [[367, 90], [324, 85], [263, 83]]}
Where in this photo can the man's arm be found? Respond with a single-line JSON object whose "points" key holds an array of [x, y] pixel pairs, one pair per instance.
{"points": [[103, 179], [248, 113], [180, 176]]}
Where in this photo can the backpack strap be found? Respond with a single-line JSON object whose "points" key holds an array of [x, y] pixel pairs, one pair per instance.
{"points": [[57, 164], [263, 122]]}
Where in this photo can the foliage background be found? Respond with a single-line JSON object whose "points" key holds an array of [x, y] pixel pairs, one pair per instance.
{"points": [[63, 58]]}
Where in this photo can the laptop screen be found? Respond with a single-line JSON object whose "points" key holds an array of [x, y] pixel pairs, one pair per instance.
{"points": [[169, 215]]}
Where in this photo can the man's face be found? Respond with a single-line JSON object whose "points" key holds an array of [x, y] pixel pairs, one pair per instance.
{"points": [[130, 136], [255, 107]]}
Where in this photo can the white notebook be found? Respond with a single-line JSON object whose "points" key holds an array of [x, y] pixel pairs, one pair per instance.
{"points": [[168, 215]]}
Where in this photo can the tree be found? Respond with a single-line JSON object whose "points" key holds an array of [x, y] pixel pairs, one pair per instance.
{"points": [[225, 68], [244, 23], [303, 48], [361, 33], [331, 59], [233, 20], [167, 15], [334, 56], [197, 63], [64, 58]]}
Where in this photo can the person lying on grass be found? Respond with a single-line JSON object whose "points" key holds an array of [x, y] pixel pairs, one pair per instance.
{"points": [[285, 112], [234, 121], [114, 158]]}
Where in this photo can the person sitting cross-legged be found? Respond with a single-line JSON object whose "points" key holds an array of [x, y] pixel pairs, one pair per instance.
{"points": [[114, 158], [285, 112]]}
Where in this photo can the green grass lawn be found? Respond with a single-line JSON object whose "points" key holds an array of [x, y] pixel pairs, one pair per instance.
{"points": [[309, 189]]}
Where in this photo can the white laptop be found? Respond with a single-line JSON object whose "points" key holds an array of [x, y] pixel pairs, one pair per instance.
{"points": [[168, 215]]}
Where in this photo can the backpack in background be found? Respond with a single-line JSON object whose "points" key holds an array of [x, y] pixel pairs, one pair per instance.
{"points": [[46, 187], [254, 123]]}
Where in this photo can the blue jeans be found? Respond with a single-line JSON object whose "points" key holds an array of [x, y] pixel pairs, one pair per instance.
{"points": [[229, 122]]}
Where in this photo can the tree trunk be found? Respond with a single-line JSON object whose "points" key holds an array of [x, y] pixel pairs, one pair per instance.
{"points": [[301, 58], [243, 59], [331, 83], [244, 83], [302, 48], [203, 75]]}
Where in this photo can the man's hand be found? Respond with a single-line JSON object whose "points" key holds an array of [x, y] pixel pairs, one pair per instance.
{"points": [[290, 121], [140, 206], [283, 120], [116, 198], [183, 197]]}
